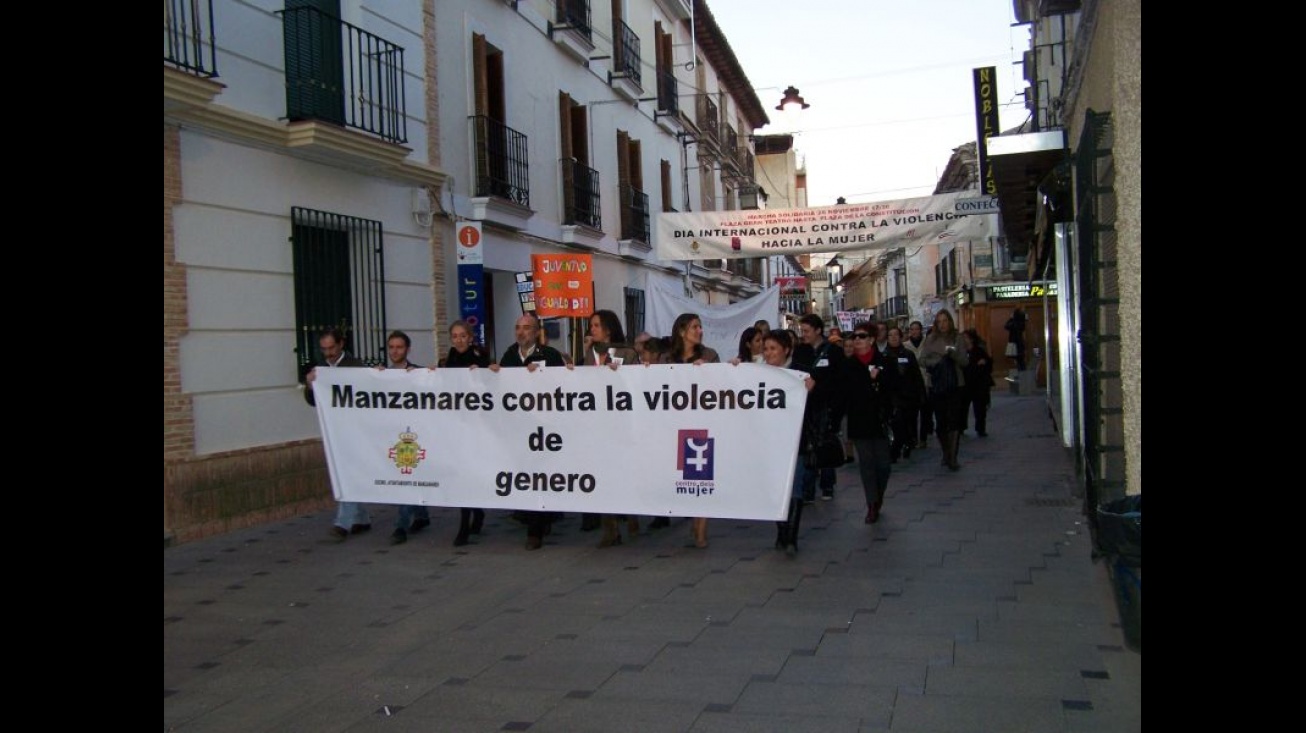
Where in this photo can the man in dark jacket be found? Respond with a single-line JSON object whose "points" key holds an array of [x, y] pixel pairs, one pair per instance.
{"points": [[824, 361], [351, 516], [527, 352]]}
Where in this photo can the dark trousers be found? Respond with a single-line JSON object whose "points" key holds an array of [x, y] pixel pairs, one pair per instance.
{"points": [[873, 465], [903, 423], [927, 418], [812, 476], [979, 402], [947, 412]]}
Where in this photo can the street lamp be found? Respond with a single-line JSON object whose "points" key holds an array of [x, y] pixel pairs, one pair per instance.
{"points": [[791, 100]]}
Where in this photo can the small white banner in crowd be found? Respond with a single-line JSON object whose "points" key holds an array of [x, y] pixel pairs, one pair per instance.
{"points": [[873, 225], [722, 323], [714, 440]]}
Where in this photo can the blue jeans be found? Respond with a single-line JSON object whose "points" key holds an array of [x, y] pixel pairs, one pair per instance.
{"points": [[349, 513], [409, 512]]}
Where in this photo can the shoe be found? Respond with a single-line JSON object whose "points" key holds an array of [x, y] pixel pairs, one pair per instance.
{"points": [[398, 537], [827, 495], [871, 516], [461, 539], [339, 534], [360, 528], [906, 451], [791, 549], [659, 522], [534, 543], [419, 524]]}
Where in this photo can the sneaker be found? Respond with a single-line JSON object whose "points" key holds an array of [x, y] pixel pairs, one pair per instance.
{"points": [[419, 524], [827, 495], [399, 536], [359, 528], [339, 534]]}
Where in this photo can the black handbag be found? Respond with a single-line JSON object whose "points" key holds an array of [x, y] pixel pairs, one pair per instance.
{"points": [[824, 451]]}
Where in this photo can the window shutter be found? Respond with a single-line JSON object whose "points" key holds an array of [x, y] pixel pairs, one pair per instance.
{"points": [[564, 122], [480, 83]]}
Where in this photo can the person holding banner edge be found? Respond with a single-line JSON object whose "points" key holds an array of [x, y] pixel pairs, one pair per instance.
{"points": [[410, 517], [351, 516], [687, 348], [527, 352], [606, 346], [464, 353]]}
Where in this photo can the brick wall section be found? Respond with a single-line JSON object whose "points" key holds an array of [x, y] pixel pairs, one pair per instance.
{"points": [[439, 268], [178, 418], [227, 491]]}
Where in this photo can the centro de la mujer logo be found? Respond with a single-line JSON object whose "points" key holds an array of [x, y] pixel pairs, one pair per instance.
{"points": [[695, 455], [407, 453]]}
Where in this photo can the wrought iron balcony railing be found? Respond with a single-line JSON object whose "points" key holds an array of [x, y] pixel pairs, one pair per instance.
{"points": [[580, 194], [188, 42], [626, 50], [576, 14], [707, 117], [668, 91], [634, 214], [341, 74], [501, 161], [894, 307]]}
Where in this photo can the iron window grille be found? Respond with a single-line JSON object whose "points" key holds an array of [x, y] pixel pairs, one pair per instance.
{"points": [[339, 279]]}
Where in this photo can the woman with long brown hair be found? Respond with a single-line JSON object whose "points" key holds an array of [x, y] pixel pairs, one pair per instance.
{"points": [[606, 346], [687, 348], [943, 353]]}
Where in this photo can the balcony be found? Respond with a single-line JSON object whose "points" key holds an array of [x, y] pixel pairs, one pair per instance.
{"points": [[668, 112], [502, 174], [895, 307], [341, 74], [571, 29], [625, 76], [188, 42], [707, 118], [634, 215], [580, 194]]}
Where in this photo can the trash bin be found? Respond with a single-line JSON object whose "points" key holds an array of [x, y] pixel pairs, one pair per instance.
{"points": [[1120, 539]]}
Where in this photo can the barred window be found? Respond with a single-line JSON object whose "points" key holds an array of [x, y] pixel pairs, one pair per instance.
{"points": [[634, 313], [339, 283]]}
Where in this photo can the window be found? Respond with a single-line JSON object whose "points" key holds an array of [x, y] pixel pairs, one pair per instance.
{"points": [[630, 182], [634, 313], [580, 183], [339, 283], [667, 195], [502, 159]]}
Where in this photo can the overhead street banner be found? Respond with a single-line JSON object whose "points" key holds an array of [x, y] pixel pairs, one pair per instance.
{"points": [[714, 440], [763, 232]]}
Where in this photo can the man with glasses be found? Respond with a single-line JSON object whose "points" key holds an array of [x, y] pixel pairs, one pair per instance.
{"points": [[351, 516]]}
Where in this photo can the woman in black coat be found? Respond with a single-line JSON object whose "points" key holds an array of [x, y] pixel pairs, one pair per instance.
{"points": [[866, 404], [979, 382], [467, 354], [906, 388]]}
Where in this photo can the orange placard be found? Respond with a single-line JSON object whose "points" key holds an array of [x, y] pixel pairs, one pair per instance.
{"points": [[564, 285]]}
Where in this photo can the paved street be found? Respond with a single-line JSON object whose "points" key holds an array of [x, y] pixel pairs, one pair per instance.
{"points": [[973, 605]]}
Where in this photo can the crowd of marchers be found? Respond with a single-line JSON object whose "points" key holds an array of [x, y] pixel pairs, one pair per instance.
{"points": [[875, 392]]}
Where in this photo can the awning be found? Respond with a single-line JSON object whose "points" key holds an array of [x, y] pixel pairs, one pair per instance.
{"points": [[1020, 163]]}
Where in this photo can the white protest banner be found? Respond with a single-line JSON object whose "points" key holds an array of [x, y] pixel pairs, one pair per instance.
{"points": [[762, 232], [722, 324], [714, 440]]}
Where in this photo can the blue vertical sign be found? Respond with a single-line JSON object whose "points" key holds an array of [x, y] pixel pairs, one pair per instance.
{"points": [[471, 278]]}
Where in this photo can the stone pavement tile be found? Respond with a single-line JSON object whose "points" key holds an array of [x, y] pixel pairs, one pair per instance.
{"points": [[438, 662], [823, 616], [704, 659], [1082, 611], [1105, 721], [1047, 630], [926, 593], [548, 672], [716, 689], [1028, 654], [965, 714], [905, 603], [593, 715], [956, 626], [805, 636], [732, 722], [861, 671], [999, 683], [934, 649], [873, 705], [475, 708]]}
